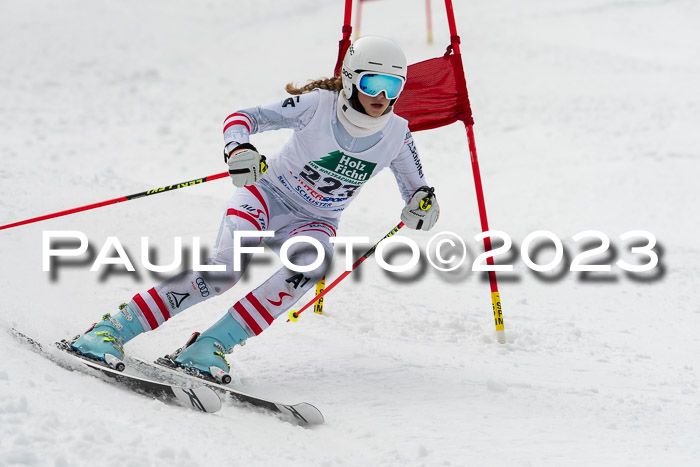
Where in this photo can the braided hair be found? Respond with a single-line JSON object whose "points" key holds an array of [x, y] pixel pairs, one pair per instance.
{"points": [[329, 84]]}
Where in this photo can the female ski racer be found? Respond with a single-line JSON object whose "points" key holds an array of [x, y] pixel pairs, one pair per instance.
{"points": [[345, 132]]}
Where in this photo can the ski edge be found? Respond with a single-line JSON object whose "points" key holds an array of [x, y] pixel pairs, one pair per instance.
{"points": [[302, 413], [200, 397]]}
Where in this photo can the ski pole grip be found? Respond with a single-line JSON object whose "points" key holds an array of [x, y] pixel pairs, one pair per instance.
{"points": [[425, 203]]}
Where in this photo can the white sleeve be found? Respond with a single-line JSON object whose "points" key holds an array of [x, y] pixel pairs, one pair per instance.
{"points": [[294, 112], [408, 169]]}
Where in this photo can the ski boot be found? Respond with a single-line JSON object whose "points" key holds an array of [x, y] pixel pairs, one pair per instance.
{"points": [[105, 340], [204, 354]]}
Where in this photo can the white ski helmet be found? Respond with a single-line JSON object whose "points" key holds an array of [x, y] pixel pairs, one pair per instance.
{"points": [[372, 54]]}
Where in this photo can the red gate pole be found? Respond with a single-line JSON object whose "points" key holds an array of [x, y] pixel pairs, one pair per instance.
{"points": [[495, 296], [342, 48], [345, 41]]}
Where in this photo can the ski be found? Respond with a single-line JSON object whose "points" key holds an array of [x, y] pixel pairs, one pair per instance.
{"points": [[200, 398], [302, 413]]}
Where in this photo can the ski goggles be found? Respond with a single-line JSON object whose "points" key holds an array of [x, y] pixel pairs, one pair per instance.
{"points": [[372, 84]]}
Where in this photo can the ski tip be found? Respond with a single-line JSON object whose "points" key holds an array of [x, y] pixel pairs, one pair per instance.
{"points": [[22, 337], [303, 413]]}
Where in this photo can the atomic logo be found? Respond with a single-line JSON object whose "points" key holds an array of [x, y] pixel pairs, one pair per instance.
{"points": [[176, 299]]}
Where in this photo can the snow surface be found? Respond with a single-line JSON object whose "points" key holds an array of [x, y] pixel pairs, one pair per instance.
{"points": [[586, 118]]}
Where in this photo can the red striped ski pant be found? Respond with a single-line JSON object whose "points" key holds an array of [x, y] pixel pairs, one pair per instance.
{"points": [[253, 208]]}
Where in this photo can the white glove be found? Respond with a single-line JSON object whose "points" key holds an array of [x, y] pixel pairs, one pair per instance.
{"points": [[422, 212], [245, 165]]}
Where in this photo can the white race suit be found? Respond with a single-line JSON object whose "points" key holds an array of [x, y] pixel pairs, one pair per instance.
{"points": [[309, 182]]}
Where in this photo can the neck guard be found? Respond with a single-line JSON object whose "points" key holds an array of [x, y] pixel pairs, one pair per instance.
{"points": [[356, 123]]}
